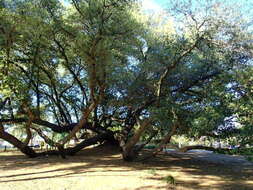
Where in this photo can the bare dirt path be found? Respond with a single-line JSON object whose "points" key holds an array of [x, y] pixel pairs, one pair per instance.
{"points": [[103, 169], [210, 157]]}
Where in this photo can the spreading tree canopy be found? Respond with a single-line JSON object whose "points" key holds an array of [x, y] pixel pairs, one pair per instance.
{"points": [[123, 74]]}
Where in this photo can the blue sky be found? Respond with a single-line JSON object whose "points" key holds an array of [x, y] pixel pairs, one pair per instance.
{"points": [[149, 4], [157, 5], [244, 6], [153, 4], [160, 2]]}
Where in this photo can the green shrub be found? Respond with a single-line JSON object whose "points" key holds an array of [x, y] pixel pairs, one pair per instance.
{"points": [[169, 179]]}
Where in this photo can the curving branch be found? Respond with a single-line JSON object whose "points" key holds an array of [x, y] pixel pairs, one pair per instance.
{"points": [[16, 142], [54, 127]]}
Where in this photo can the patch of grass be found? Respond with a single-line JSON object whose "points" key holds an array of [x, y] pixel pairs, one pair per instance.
{"points": [[170, 180], [152, 172]]}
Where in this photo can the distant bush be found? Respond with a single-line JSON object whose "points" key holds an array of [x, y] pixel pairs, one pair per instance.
{"points": [[240, 151]]}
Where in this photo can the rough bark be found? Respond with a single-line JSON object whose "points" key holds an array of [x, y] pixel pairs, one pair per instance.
{"points": [[129, 152]]}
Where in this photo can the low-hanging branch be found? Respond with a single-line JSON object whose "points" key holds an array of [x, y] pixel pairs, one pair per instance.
{"points": [[54, 127], [71, 151]]}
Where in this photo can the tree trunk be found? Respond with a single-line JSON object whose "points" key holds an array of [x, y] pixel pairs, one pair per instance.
{"points": [[73, 150], [129, 153], [28, 133], [91, 141], [81, 123]]}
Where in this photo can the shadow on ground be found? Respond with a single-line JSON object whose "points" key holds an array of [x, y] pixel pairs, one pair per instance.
{"points": [[189, 173]]}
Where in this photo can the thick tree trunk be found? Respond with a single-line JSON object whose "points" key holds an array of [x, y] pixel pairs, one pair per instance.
{"points": [[88, 142], [129, 152], [91, 141], [129, 155], [104, 136]]}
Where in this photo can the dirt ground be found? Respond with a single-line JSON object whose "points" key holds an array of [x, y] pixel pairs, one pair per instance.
{"points": [[103, 169]]}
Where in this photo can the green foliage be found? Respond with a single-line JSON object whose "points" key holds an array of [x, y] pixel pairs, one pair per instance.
{"points": [[195, 63], [239, 151], [170, 180]]}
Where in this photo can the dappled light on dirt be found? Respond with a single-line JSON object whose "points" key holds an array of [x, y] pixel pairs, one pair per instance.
{"points": [[102, 168]]}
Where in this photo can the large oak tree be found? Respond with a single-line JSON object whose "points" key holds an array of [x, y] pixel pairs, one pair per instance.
{"points": [[105, 66]]}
